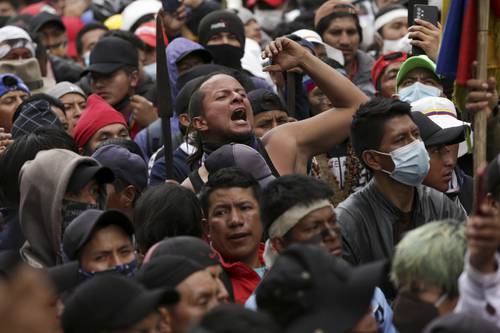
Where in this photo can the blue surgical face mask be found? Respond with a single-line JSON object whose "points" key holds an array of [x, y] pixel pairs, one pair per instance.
{"points": [[151, 70], [411, 163], [417, 91], [127, 270]]}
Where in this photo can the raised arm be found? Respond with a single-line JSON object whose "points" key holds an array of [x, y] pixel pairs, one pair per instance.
{"points": [[291, 145]]}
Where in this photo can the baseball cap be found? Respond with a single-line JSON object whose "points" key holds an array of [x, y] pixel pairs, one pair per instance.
{"points": [[271, 3], [421, 61], [11, 82], [84, 173], [442, 111], [263, 100], [189, 247], [244, 14], [313, 37], [125, 165], [147, 33], [111, 302], [65, 277], [110, 54], [309, 290], [27, 70], [138, 9], [432, 134], [243, 157], [493, 174], [12, 37], [63, 88], [333, 6], [383, 61], [44, 18], [166, 271], [80, 230]]}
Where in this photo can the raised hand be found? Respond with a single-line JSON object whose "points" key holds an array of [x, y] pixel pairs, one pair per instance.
{"points": [[426, 36], [483, 239], [285, 55]]}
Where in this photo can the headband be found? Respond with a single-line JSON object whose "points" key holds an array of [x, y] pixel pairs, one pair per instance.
{"points": [[389, 16], [287, 221]]}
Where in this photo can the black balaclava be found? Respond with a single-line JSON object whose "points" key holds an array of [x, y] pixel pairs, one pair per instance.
{"points": [[223, 21]]}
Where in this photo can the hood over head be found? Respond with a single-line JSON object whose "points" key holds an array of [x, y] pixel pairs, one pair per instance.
{"points": [[43, 183]]}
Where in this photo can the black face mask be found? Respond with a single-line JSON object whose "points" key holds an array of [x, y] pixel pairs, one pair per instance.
{"points": [[72, 209], [411, 314], [226, 55], [122, 104]]}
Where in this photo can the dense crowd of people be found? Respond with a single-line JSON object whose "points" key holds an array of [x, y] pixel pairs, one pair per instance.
{"points": [[318, 175]]}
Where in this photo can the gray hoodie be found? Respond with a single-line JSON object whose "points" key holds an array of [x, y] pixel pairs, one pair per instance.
{"points": [[43, 183]]}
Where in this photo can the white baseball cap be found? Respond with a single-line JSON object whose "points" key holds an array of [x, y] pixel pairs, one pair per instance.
{"points": [[313, 37], [443, 113], [137, 9]]}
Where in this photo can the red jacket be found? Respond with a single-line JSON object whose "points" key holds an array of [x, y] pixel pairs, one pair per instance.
{"points": [[243, 278]]}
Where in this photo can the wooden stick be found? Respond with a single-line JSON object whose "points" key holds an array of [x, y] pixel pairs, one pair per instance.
{"points": [[480, 117]]}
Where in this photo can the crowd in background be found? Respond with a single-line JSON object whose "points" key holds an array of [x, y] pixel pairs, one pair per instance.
{"points": [[318, 174]]}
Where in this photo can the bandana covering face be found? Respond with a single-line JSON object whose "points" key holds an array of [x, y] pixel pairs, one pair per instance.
{"points": [[127, 270]]}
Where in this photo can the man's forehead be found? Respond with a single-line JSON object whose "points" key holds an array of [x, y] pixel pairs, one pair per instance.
{"points": [[220, 81], [229, 194], [398, 125]]}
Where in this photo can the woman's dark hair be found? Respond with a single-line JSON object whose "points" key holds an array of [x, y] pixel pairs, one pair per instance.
{"points": [[166, 210], [25, 149]]}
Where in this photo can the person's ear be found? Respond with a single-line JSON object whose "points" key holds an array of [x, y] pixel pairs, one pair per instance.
{"points": [[199, 123], [184, 120], [134, 79], [372, 160], [278, 244], [165, 320], [128, 196]]}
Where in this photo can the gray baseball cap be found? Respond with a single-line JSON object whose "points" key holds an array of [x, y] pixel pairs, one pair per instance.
{"points": [[63, 88], [243, 157]]}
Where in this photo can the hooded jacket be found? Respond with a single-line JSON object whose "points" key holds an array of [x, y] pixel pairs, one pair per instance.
{"points": [[43, 183], [175, 50]]}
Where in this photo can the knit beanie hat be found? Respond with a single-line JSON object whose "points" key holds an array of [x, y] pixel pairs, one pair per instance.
{"points": [[31, 116], [96, 115], [221, 21]]}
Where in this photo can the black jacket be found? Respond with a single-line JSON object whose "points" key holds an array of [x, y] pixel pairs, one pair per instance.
{"points": [[367, 218]]}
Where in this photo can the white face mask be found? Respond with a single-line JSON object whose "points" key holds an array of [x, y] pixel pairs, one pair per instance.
{"points": [[151, 70], [86, 58], [268, 18], [401, 45]]}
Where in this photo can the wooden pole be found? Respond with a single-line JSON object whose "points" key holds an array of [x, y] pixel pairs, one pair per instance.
{"points": [[480, 117]]}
